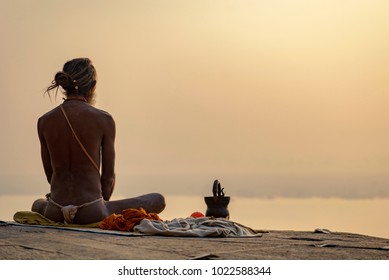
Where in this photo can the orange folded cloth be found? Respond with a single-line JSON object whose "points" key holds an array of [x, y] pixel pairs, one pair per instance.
{"points": [[127, 220]]}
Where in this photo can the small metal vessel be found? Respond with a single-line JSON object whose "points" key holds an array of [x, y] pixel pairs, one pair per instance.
{"points": [[218, 203]]}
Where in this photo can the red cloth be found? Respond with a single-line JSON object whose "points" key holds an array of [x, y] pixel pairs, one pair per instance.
{"points": [[127, 220]]}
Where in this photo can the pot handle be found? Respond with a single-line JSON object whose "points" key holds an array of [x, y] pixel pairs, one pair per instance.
{"points": [[217, 189]]}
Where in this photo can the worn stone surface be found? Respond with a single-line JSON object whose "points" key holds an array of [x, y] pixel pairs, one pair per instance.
{"points": [[26, 242]]}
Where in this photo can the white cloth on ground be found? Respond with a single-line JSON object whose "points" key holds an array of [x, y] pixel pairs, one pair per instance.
{"points": [[196, 227]]}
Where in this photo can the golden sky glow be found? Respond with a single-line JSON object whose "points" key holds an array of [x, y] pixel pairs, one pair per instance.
{"points": [[208, 86]]}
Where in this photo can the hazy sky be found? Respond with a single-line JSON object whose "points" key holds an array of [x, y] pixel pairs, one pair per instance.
{"points": [[208, 86]]}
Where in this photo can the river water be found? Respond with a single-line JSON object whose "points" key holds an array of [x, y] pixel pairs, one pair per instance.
{"points": [[363, 216]]}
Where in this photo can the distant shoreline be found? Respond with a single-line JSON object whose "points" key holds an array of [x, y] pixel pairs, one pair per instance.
{"points": [[345, 186]]}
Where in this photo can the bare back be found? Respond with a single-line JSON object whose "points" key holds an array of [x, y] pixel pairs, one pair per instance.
{"points": [[73, 178]]}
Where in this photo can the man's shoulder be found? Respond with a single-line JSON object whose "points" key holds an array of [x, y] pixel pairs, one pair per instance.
{"points": [[48, 114], [102, 113]]}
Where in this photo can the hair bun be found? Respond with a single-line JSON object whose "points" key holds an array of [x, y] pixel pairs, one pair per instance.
{"points": [[78, 76], [64, 80]]}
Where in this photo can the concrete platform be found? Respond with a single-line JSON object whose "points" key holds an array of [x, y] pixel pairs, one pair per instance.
{"points": [[21, 242]]}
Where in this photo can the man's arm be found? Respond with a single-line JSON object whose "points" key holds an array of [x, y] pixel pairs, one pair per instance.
{"points": [[45, 155], [108, 159]]}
